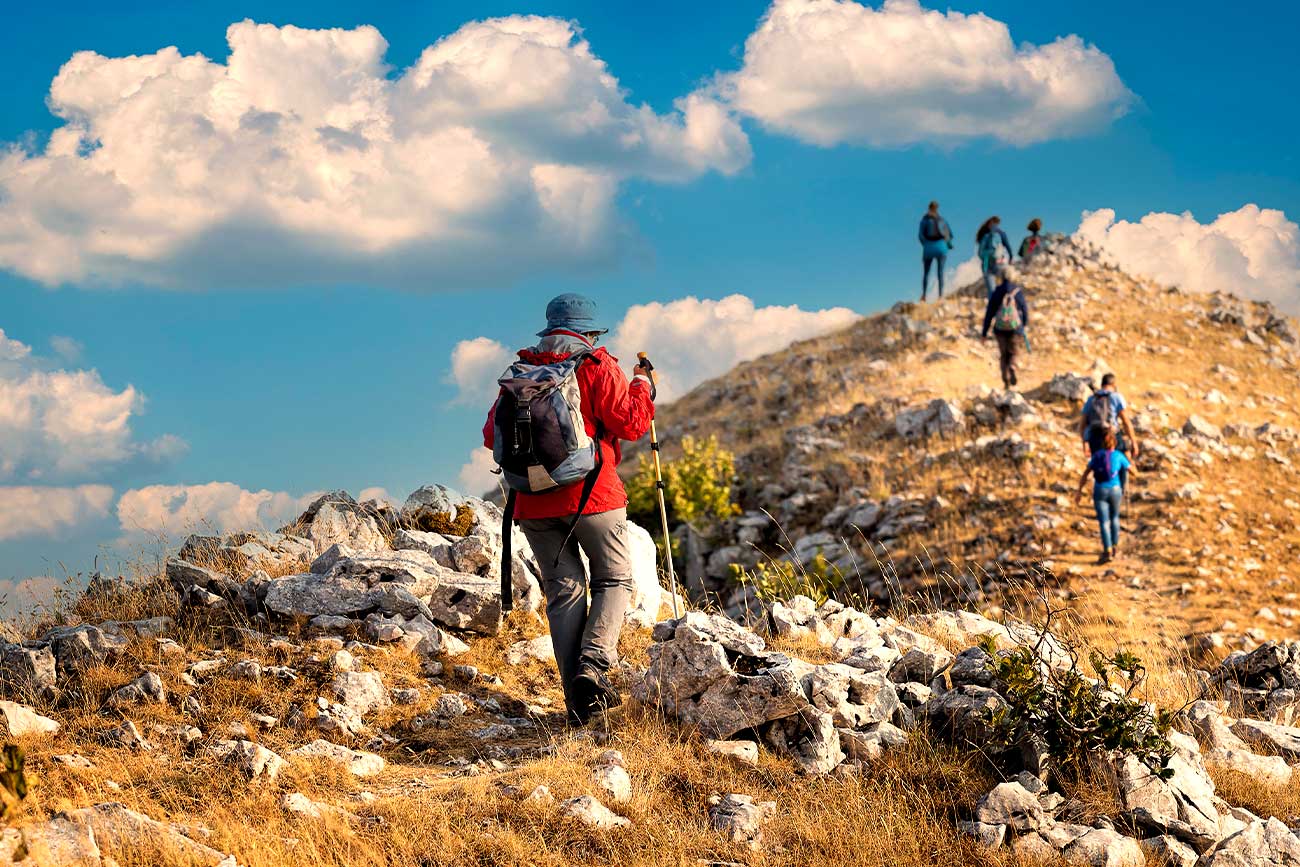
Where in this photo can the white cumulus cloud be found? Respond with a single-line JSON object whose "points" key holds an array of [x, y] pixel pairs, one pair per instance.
{"points": [[691, 340], [56, 423], [838, 72], [1252, 251], [27, 510], [304, 159], [172, 510], [476, 476], [475, 366]]}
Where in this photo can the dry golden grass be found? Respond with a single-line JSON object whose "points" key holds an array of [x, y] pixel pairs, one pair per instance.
{"points": [[1242, 791]]}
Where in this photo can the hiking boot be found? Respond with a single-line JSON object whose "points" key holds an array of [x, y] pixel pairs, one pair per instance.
{"points": [[592, 693], [1103, 558], [1011, 375]]}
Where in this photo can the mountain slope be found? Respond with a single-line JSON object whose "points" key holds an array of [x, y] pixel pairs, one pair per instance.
{"points": [[988, 501]]}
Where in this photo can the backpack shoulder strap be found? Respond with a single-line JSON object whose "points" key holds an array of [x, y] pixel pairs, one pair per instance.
{"points": [[507, 567], [588, 485]]}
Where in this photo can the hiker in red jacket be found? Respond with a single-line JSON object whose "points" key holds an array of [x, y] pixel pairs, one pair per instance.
{"points": [[613, 409]]}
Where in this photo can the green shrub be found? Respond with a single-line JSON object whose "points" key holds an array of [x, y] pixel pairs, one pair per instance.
{"points": [[1072, 717], [697, 485], [775, 580]]}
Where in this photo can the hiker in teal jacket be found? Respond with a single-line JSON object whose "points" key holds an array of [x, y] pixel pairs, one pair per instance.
{"points": [[991, 259], [936, 240]]}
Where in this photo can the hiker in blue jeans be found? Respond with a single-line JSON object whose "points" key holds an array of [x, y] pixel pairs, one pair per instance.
{"points": [[936, 240], [1105, 466]]}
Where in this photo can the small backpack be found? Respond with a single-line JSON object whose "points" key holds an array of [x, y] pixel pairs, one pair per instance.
{"points": [[933, 229], [1030, 245], [1101, 411], [540, 442], [1103, 466], [991, 251], [1008, 315]]}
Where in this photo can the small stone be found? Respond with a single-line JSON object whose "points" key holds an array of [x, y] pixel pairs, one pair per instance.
{"points": [[20, 720], [740, 818], [592, 813], [614, 781], [1012, 805], [745, 752], [356, 762]]}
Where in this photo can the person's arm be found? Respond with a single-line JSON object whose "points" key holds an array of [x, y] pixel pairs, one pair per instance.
{"points": [[1006, 242], [489, 429], [947, 231], [623, 408], [1128, 432], [1023, 304], [920, 230], [1083, 482]]}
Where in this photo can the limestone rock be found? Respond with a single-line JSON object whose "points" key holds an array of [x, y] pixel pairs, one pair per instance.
{"points": [[1102, 847], [362, 691], [613, 780], [1012, 805], [116, 827], [19, 720], [337, 518], [740, 818], [745, 752], [356, 762], [147, 687], [540, 648], [1167, 851], [809, 737], [592, 813], [1261, 844], [26, 671], [59, 842], [309, 595], [252, 760]]}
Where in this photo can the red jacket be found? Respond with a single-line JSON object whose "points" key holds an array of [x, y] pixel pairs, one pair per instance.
{"points": [[624, 410]]}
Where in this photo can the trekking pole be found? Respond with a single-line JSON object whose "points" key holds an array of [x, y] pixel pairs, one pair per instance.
{"points": [[649, 368]]}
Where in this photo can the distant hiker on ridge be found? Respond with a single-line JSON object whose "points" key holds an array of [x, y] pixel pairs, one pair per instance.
{"points": [[1008, 313], [1032, 242], [554, 431], [1106, 411], [1106, 465], [990, 254], [936, 240]]}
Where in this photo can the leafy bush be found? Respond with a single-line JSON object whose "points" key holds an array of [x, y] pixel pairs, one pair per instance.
{"points": [[1073, 717], [697, 484], [778, 580]]}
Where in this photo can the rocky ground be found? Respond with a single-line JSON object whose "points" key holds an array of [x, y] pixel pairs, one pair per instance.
{"points": [[345, 692]]}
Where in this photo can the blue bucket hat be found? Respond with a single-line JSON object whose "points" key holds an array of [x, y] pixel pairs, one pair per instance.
{"points": [[573, 312]]}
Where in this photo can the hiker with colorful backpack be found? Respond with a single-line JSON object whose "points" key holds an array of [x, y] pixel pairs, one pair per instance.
{"points": [[991, 253], [936, 240], [554, 432], [1033, 242], [1007, 313], [1104, 412], [1105, 466]]}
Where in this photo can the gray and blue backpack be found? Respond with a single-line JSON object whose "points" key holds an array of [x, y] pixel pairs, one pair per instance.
{"points": [[540, 441]]}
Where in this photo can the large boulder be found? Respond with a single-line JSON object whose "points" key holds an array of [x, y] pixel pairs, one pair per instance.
{"points": [[309, 595], [337, 518], [1263, 843], [27, 671], [709, 672]]}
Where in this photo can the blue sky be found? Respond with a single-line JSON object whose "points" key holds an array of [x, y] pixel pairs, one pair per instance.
{"points": [[277, 386]]}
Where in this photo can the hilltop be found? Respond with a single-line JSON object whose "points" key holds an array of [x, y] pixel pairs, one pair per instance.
{"points": [[944, 677]]}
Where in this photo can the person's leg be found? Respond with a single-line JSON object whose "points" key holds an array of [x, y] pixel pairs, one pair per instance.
{"points": [[990, 283], [1116, 495], [1013, 353], [926, 259], [1004, 356], [1101, 502], [565, 585], [942, 261], [604, 539]]}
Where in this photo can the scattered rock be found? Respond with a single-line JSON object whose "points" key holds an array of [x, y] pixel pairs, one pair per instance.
{"points": [[592, 813], [356, 762], [740, 818]]}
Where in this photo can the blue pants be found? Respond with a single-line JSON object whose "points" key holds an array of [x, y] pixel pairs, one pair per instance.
{"points": [[1107, 502], [990, 283], [926, 259]]}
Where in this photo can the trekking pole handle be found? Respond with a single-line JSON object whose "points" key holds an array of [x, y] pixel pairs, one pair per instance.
{"points": [[643, 361]]}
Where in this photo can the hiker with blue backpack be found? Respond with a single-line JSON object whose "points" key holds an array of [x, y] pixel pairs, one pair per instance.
{"points": [[936, 240], [1104, 412], [1007, 313], [554, 432], [994, 250], [1105, 466]]}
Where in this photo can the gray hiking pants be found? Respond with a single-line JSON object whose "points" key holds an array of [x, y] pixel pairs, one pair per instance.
{"points": [[581, 636]]}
